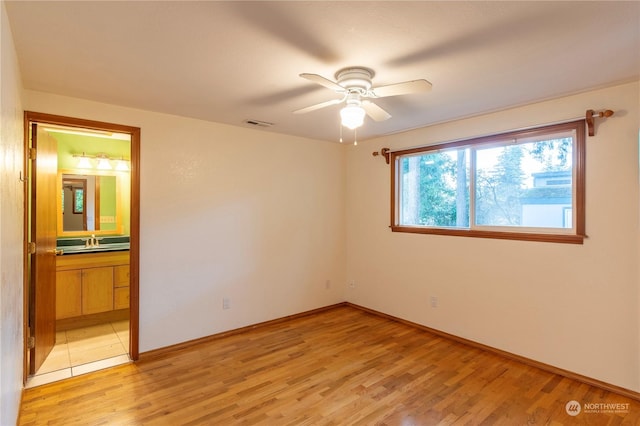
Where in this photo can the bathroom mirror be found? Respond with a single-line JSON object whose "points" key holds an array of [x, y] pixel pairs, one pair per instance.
{"points": [[90, 203]]}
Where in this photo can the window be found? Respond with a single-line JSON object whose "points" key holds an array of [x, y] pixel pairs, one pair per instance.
{"points": [[78, 200], [526, 185]]}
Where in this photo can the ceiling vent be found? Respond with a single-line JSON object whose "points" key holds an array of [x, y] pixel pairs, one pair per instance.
{"points": [[258, 123]]}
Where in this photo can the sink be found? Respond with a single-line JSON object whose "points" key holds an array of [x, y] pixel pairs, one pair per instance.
{"points": [[75, 245], [102, 247]]}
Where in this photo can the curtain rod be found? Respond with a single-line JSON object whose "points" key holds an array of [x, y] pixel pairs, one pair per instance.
{"points": [[588, 117]]}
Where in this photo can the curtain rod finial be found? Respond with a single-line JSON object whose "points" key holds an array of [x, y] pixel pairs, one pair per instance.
{"points": [[591, 114], [385, 152]]}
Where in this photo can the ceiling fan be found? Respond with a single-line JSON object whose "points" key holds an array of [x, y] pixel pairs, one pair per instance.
{"points": [[356, 89]]}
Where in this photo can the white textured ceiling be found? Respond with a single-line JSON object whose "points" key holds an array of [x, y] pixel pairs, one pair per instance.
{"points": [[230, 61]]}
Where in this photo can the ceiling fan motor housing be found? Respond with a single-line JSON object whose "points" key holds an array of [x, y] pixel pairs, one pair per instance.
{"points": [[353, 98], [355, 78]]}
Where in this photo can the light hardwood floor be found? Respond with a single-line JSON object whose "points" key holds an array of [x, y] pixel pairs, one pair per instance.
{"points": [[342, 366]]}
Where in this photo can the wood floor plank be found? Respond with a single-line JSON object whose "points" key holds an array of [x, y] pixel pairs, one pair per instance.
{"points": [[342, 366]]}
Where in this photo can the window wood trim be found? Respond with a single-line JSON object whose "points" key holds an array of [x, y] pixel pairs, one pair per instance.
{"points": [[578, 165]]}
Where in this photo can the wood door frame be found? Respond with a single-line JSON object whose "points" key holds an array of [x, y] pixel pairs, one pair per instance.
{"points": [[134, 251]]}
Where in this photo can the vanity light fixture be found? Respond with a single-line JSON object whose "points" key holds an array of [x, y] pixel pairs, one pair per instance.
{"points": [[103, 163], [84, 162], [122, 165]]}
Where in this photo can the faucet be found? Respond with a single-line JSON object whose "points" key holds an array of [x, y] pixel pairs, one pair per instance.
{"points": [[92, 242]]}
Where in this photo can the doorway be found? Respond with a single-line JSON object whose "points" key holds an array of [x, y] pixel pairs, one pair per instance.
{"points": [[80, 280]]}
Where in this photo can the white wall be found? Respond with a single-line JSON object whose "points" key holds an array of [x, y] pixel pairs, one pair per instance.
{"points": [[246, 214], [571, 306], [11, 236]]}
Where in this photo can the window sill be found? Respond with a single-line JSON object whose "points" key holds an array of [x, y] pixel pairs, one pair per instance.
{"points": [[548, 238]]}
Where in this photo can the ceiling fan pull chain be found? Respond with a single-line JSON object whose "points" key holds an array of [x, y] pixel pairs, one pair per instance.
{"points": [[355, 136]]}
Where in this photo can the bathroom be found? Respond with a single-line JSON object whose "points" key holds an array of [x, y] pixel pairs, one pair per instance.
{"points": [[92, 273]]}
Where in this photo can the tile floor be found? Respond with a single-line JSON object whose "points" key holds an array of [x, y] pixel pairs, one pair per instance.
{"points": [[82, 350]]}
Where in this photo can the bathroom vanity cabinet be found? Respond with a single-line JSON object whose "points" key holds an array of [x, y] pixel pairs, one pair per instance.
{"points": [[121, 287], [91, 283]]}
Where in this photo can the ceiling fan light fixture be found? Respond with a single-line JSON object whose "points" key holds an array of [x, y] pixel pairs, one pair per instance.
{"points": [[356, 88], [352, 116]]}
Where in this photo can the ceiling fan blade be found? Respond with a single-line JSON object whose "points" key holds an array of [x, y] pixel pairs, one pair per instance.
{"points": [[413, 86], [323, 81], [375, 112], [318, 106]]}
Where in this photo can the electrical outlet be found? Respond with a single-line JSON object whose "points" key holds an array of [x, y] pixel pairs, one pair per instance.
{"points": [[352, 284], [434, 301], [327, 284], [226, 303]]}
